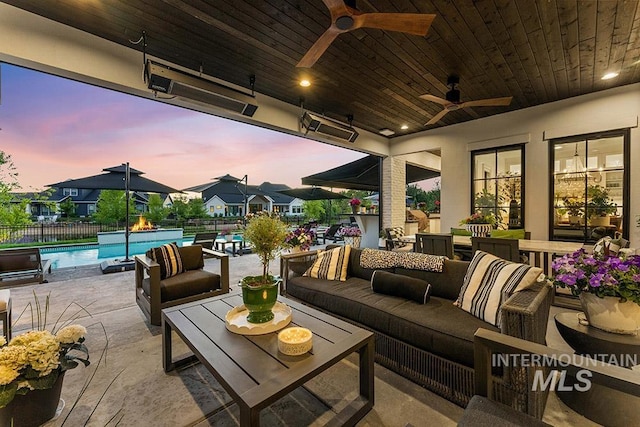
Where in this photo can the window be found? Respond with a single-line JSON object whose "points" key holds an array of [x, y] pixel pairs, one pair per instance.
{"points": [[497, 184], [590, 186], [69, 191]]}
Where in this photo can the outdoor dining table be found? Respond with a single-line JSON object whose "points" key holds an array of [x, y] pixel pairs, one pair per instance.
{"points": [[540, 252]]}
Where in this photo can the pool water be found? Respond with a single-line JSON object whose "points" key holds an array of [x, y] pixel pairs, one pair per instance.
{"points": [[74, 256]]}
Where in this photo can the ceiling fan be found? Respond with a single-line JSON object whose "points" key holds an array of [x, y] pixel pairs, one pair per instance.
{"points": [[452, 101], [345, 17]]}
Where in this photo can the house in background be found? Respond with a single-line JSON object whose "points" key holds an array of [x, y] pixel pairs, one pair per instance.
{"points": [[46, 205], [226, 197]]}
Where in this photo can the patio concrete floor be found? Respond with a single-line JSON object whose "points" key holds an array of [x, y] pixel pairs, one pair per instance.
{"points": [[128, 386]]}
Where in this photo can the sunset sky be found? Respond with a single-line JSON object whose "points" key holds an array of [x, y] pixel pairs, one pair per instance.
{"points": [[56, 129]]}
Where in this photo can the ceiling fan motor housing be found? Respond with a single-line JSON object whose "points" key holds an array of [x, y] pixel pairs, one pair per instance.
{"points": [[453, 95]]}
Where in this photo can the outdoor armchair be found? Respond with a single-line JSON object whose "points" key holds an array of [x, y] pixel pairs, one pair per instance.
{"points": [[154, 293]]}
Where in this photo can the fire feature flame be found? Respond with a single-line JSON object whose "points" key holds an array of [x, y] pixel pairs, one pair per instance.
{"points": [[142, 224]]}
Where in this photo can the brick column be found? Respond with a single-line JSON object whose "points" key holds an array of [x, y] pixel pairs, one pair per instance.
{"points": [[394, 189]]}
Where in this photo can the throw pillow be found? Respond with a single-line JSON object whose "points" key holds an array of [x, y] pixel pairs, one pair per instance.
{"points": [[387, 283], [612, 245], [489, 282], [168, 257], [331, 264]]}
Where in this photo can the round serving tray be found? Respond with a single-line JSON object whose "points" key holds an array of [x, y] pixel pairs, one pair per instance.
{"points": [[236, 320]]}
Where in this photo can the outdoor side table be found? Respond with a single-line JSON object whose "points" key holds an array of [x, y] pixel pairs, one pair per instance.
{"points": [[601, 404]]}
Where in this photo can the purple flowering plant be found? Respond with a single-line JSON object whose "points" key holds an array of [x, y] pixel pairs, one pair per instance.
{"points": [[349, 231], [599, 274], [300, 237]]}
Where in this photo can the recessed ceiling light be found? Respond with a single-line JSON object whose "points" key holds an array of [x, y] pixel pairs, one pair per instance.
{"points": [[305, 83], [609, 76], [404, 127], [386, 132]]}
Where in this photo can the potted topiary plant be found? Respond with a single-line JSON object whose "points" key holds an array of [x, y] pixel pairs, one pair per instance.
{"points": [[599, 206], [575, 209], [266, 233]]}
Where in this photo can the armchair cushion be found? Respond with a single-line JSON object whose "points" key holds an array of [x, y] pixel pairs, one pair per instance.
{"points": [[489, 282], [169, 259], [184, 285]]}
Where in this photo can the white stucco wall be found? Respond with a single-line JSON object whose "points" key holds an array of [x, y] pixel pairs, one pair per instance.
{"points": [[605, 110]]}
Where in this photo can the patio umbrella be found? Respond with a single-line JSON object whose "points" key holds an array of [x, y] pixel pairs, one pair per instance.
{"points": [[312, 193], [120, 177]]}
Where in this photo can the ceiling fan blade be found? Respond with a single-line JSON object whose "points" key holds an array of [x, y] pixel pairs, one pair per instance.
{"points": [[493, 102], [336, 8], [411, 23], [435, 119], [435, 99], [319, 47]]}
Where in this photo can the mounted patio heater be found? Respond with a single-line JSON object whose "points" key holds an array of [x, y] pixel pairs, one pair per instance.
{"points": [[173, 82], [327, 127]]}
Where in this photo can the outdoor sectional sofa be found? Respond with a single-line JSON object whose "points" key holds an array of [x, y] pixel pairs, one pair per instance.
{"points": [[432, 343]]}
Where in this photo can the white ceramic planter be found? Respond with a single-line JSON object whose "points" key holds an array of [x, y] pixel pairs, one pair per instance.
{"points": [[479, 230], [353, 241], [610, 315]]}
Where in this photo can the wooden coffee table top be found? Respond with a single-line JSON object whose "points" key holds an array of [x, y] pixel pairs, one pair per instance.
{"points": [[251, 368]]}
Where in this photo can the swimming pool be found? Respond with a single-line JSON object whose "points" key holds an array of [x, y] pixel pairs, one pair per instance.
{"points": [[77, 255]]}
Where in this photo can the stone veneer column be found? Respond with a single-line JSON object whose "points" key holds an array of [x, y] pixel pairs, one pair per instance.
{"points": [[394, 189]]}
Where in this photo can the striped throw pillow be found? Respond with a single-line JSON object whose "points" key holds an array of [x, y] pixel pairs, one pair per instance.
{"points": [[489, 282], [331, 265], [168, 256]]}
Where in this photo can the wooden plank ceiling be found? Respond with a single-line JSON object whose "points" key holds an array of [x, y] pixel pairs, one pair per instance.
{"points": [[536, 51]]}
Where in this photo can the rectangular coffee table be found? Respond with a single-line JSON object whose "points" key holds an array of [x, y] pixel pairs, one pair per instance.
{"points": [[252, 370]]}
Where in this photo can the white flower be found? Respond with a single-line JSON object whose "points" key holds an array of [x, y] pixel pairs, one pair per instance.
{"points": [[71, 334]]}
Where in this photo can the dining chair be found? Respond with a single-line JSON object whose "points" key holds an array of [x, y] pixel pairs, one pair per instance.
{"points": [[504, 248], [435, 244]]}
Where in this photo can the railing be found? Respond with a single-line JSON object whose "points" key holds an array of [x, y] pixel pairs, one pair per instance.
{"points": [[61, 231]]}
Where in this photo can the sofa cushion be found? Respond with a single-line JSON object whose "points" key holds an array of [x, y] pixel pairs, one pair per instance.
{"points": [[438, 326], [169, 259], [189, 283], [444, 285], [401, 286], [490, 281], [331, 264]]}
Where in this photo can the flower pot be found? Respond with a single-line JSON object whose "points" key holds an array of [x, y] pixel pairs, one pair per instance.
{"points": [[295, 249], [34, 408], [354, 241], [259, 300], [574, 219], [599, 221], [610, 315], [479, 230], [229, 237], [355, 208]]}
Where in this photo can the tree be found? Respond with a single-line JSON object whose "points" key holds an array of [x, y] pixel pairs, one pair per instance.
{"points": [[157, 211], [196, 209], [179, 209], [68, 208], [111, 207], [12, 213], [313, 209]]}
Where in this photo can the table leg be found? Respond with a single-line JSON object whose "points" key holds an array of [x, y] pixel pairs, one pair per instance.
{"points": [[367, 371], [249, 417], [166, 347]]}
